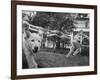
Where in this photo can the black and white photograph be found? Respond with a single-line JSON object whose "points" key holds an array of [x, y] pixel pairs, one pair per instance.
{"points": [[52, 40], [55, 39]]}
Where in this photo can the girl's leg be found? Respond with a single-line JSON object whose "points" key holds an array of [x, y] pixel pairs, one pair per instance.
{"points": [[76, 51], [71, 51]]}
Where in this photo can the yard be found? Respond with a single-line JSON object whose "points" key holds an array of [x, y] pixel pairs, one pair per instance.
{"points": [[50, 59], [58, 31]]}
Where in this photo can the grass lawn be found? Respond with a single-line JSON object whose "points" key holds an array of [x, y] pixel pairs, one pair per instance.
{"points": [[47, 58], [50, 59]]}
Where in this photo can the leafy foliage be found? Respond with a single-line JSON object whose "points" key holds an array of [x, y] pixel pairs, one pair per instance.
{"points": [[54, 21]]}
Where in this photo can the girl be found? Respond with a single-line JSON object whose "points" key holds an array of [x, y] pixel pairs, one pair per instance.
{"points": [[77, 43]]}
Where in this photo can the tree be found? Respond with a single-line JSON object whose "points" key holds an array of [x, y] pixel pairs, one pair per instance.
{"points": [[54, 21]]}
